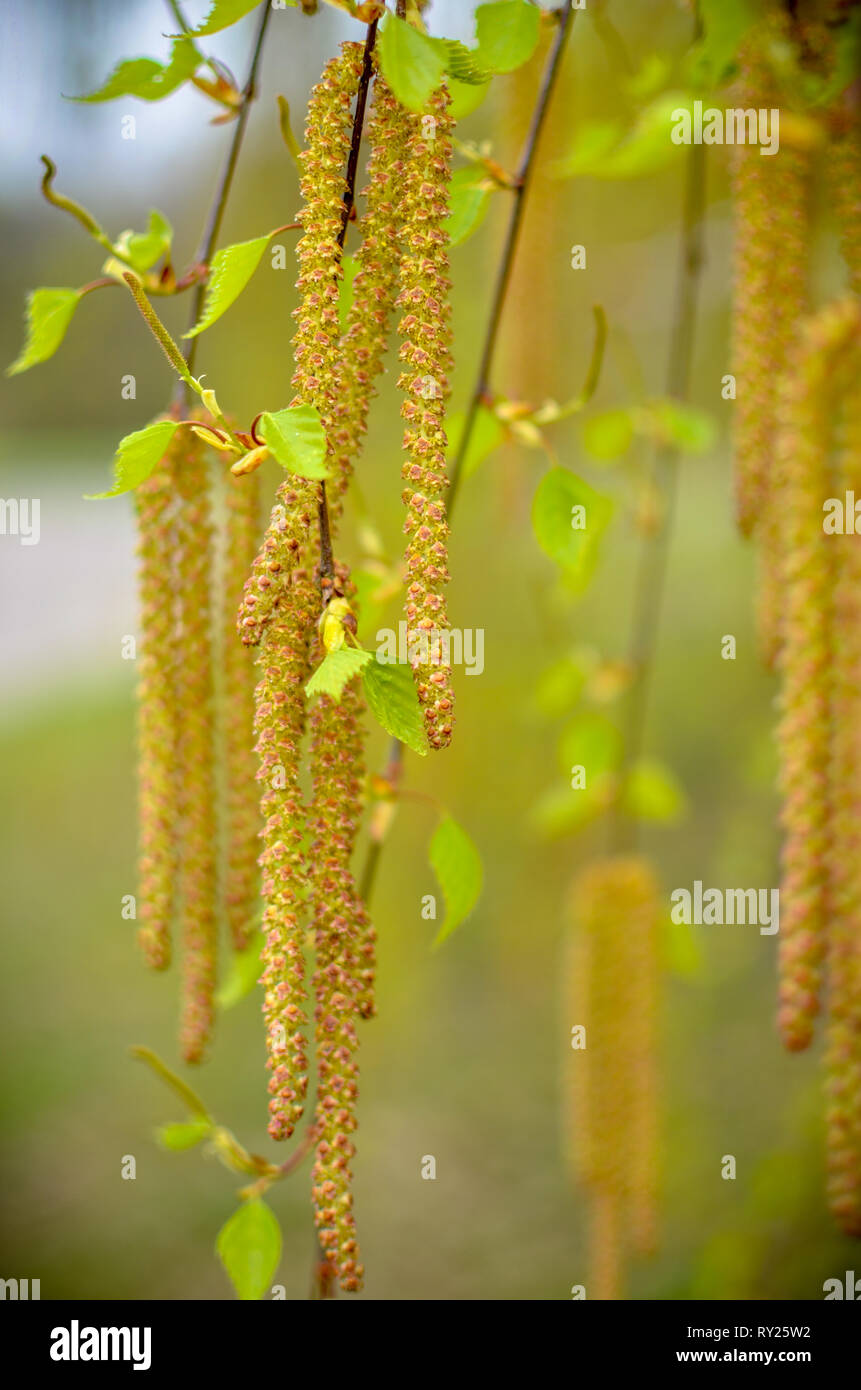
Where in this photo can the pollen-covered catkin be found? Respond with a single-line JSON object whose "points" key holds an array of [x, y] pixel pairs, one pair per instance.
{"points": [[158, 787], [843, 1045], [612, 980], [425, 352], [375, 286], [288, 535], [243, 816], [805, 665], [279, 724], [195, 699]]}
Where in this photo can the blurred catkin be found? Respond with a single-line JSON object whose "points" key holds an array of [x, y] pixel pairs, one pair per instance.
{"points": [[158, 787], [279, 723], [612, 982], [425, 352], [845, 189], [843, 1049], [804, 731], [195, 700], [344, 980], [243, 818]]}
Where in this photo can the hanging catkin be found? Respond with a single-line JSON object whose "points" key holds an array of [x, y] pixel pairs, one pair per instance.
{"points": [[243, 819], [363, 345], [843, 1050], [612, 992], [804, 728], [425, 351], [343, 981], [158, 811], [844, 168], [195, 698], [279, 724]]}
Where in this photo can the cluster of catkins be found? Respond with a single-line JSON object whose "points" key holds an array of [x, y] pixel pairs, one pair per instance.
{"points": [[798, 444], [612, 1002], [295, 602]]}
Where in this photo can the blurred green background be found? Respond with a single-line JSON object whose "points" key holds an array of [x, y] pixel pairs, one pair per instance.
{"points": [[466, 1059]]}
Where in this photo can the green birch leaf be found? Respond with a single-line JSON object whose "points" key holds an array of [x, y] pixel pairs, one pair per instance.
{"points": [[412, 63], [49, 313], [232, 267], [136, 457], [465, 98], [459, 870], [145, 248], [335, 670], [296, 440], [461, 62], [223, 13], [391, 695], [467, 206], [148, 79], [652, 792], [242, 973], [507, 34], [569, 518], [249, 1247], [185, 1135]]}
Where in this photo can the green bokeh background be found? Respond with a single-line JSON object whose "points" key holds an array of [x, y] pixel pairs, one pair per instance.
{"points": [[467, 1058]]}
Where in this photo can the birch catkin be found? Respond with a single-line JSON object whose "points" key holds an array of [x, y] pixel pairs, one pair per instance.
{"points": [[804, 727], [425, 351], [158, 786], [195, 698], [243, 819], [613, 986]]}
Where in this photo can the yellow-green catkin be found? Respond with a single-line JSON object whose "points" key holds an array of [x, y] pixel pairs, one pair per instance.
{"points": [[425, 352], [279, 724], [843, 1046], [196, 700], [804, 731], [344, 976], [243, 817], [158, 786], [375, 286], [612, 983]]}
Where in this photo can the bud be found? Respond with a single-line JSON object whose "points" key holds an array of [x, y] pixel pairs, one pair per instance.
{"points": [[250, 461]]}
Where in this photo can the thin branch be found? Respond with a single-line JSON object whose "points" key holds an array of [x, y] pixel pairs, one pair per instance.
{"points": [[653, 553], [222, 193], [527, 161], [327, 561]]}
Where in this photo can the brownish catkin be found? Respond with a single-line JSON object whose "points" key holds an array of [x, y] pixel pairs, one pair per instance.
{"points": [[158, 788], [242, 810], [425, 353]]}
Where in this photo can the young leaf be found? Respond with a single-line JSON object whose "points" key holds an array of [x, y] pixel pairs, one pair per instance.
{"points": [[673, 422], [652, 792], [232, 267], [391, 694], [507, 34], [487, 434], [249, 1247], [608, 435], [296, 440], [335, 670], [569, 517], [242, 974], [590, 741], [49, 313], [185, 1135], [412, 63], [457, 865], [465, 98], [148, 79], [136, 457], [468, 205], [145, 248], [226, 12], [461, 62]]}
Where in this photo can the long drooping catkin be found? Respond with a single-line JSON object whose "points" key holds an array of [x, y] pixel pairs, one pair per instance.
{"points": [[279, 724], [363, 345], [341, 986], [844, 168], [243, 818], [804, 729], [158, 787], [613, 986], [843, 1051], [195, 699], [425, 352]]}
